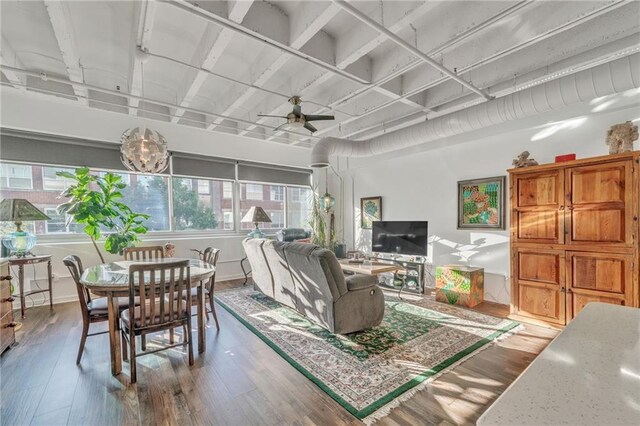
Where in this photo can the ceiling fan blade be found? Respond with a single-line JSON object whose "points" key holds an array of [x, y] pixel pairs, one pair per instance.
{"points": [[309, 127], [297, 111], [319, 117], [274, 116], [280, 126]]}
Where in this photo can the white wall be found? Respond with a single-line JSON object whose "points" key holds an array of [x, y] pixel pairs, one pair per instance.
{"points": [[46, 114], [64, 289], [421, 183]]}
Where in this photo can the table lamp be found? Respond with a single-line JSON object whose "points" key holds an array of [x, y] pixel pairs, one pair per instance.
{"points": [[18, 210], [256, 215]]}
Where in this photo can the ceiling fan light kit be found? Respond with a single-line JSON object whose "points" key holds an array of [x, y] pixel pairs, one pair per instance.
{"points": [[297, 119]]}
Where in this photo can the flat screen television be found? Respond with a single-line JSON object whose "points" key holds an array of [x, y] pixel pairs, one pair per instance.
{"points": [[397, 237]]}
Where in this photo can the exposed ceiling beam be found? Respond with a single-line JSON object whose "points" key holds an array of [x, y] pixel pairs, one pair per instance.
{"points": [[259, 31], [153, 103], [352, 48], [549, 25], [212, 52], [564, 66], [8, 57], [304, 24], [144, 28], [61, 23], [363, 17]]}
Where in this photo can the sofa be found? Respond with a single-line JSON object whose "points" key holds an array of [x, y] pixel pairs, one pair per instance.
{"points": [[309, 279], [293, 234]]}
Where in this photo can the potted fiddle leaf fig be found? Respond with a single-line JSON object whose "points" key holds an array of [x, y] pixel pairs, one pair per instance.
{"points": [[96, 202]]}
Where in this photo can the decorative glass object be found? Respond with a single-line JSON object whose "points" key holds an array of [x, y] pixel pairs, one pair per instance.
{"points": [[18, 210], [327, 201], [144, 150]]}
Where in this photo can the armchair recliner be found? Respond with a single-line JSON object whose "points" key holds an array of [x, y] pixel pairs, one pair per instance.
{"points": [[310, 280]]}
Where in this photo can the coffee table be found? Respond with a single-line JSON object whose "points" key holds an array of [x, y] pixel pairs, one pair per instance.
{"points": [[368, 268]]}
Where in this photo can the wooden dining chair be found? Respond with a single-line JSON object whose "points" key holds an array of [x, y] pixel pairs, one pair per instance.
{"points": [[209, 255], [93, 310], [144, 253], [162, 306]]}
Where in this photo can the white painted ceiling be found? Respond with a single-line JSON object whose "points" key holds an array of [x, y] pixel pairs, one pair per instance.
{"points": [[218, 64]]}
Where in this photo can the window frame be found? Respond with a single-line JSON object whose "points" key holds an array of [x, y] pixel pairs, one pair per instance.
{"points": [[9, 187], [66, 237]]}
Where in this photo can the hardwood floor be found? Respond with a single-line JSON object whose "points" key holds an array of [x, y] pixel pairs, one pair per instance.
{"points": [[238, 381]]}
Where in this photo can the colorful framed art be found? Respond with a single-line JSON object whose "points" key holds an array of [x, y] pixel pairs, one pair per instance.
{"points": [[481, 203], [370, 210]]}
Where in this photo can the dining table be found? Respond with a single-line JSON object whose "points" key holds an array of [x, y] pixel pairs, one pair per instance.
{"points": [[112, 280]]}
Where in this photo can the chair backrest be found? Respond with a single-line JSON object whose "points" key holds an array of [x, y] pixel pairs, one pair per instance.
{"points": [[160, 287], [74, 264], [210, 255], [144, 253]]}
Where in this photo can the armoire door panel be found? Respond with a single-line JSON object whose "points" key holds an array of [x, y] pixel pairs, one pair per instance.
{"points": [[578, 301], [596, 205], [538, 190], [602, 272], [542, 267], [537, 207], [598, 226], [541, 302], [539, 283], [598, 277], [598, 184], [538, 226]]}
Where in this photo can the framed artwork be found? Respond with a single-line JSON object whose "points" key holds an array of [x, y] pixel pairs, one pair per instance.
{"points": [[481, 203], [370, 210]]}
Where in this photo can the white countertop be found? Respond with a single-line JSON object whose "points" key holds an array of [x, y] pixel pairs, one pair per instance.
{"points": [[588, 375]]}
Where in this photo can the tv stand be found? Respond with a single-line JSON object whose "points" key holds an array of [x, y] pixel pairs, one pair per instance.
{"points": [[411, 277]]}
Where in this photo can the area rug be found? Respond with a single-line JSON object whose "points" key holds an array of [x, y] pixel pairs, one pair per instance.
{"points": [[372, 371]]}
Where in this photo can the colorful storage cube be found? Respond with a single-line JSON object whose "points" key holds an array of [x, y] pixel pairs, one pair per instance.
{"points": [[460, 285]]}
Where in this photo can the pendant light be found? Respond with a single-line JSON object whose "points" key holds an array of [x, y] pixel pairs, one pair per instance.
{"points": [[143, 149], [327, 201]]}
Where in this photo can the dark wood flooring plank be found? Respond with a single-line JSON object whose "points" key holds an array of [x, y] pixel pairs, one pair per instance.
{"points": [[239, 380]]}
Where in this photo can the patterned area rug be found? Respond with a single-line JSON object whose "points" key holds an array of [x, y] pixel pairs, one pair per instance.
{"points": [[370, 372]]}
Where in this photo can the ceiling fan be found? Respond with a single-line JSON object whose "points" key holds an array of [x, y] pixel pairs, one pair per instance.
{"points": [[297, 119]]}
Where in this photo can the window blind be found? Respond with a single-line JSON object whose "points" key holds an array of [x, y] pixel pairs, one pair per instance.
{"points": [[258, 172], [57, 150], [199, 166]]}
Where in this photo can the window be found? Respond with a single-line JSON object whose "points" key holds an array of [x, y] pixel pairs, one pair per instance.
{"points": [[228, 220], [53, 182], [204, 186], [197, 204], [193, 210], [277, 219], [253, 191], [299, 207], [149, 194], [126, 177], [16, 176], [59, 223], [227, 190], [249, 190], [277, 193]]}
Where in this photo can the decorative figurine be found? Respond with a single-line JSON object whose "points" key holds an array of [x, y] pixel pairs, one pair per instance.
{"points": [[620, 137], [169, 250], [523, 160]]}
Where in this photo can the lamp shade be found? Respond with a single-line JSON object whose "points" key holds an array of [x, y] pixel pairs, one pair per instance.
{"points": [[256, 214], [19, 210]]}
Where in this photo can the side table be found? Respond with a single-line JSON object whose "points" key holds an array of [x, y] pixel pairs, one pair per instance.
{"points": [[29, 260], [246, 272]]}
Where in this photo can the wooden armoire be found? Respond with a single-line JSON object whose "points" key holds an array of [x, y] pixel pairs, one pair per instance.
{"points": [[574, 236]]}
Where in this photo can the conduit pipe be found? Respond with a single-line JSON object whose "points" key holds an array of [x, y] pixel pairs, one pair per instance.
{"points": [[613, 77]]}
